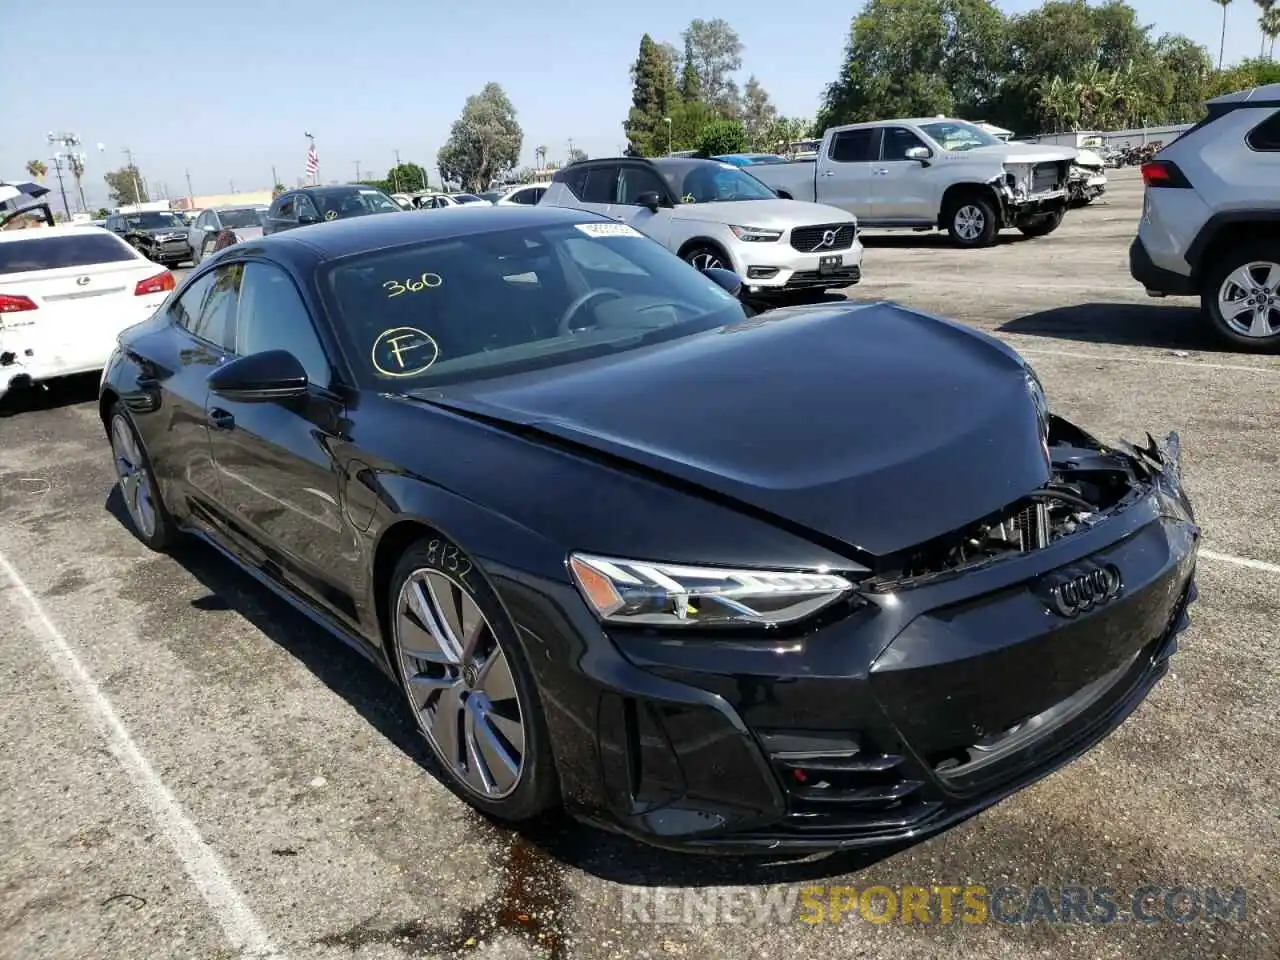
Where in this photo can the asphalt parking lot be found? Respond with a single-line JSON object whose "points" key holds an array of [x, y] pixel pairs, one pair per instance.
{"points": [[192, 771]]}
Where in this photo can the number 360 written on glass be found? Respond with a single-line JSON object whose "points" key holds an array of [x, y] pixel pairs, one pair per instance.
{"points": [[427, 281]]}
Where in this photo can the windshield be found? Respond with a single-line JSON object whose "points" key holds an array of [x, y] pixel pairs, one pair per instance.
{"points": [[958, 135], [507, 301], [705, 181], [236, 219], [340, 204], [150, 221]]}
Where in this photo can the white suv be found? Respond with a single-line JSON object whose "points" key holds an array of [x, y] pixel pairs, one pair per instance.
{"points": [[1211, 219]]}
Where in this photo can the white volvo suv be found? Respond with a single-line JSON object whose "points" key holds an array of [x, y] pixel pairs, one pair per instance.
{"points": [[715, 214]]}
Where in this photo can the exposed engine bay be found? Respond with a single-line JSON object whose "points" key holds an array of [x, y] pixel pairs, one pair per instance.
{"points": [[1090, 482]]}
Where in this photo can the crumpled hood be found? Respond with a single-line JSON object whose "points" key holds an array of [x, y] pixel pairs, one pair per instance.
{"points": [[876, 425], [160, 231], [1020, 152], [774, 214]]}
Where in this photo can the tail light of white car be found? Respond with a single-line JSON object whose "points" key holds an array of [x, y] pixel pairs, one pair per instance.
{"points": [[12, 303], [1164, 173], [160, 283]]}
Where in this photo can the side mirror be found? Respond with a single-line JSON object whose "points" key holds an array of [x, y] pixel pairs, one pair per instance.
{"points": [[306, 218], [260, 377], [649, 199], [727, 279], [922, 154]]}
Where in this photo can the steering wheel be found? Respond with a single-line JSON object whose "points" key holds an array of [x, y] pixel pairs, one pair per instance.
{"points": [[565, 326]]}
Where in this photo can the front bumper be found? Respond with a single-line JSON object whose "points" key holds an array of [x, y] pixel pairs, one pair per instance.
{"points": [[169, 251], [767, 267], [892, 723]]}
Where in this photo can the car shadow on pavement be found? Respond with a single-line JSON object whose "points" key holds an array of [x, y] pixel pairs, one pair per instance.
{"points": [[927, 240], [557, 840], [1171, 326], [63, 392]]}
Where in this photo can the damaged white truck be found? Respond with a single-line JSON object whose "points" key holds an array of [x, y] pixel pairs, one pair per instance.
{"points": [[928, 174]]}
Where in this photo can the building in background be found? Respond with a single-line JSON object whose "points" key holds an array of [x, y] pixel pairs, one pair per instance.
{"points": [[256, 198]]}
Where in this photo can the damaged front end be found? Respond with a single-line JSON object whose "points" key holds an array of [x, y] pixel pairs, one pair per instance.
{"points": [[1090, 484], [1029, 190]]}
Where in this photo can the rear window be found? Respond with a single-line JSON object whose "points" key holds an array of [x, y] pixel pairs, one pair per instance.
{"points": [[52, 253]]}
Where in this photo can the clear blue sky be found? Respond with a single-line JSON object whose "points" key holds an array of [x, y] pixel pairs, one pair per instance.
{"points": [[227, 90]]}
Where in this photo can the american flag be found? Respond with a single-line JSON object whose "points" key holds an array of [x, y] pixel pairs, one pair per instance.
{"points": [[313, 161]]}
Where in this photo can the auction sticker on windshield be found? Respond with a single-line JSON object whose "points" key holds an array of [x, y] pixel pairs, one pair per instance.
{"points": [[608, 230], [404, 352]]}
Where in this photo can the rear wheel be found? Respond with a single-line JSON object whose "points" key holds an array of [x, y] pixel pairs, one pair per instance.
{"points": [[1241, 297], [1043, 225], [971, 222], [151, 521], [468, 684]]}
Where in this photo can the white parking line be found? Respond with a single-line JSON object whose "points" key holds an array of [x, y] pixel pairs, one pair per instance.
{"points": [[946, 281], [1128, 358], [1241, 561], [239, 923]]}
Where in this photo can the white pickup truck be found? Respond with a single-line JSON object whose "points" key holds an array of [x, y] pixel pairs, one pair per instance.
{"points": [[930, 174]]}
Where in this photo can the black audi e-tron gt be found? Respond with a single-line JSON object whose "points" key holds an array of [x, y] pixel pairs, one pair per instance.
{"points": [[828, 576]]}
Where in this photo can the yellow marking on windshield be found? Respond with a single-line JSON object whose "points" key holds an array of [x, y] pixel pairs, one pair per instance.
{"points": [[393, 352], [428, 281]]}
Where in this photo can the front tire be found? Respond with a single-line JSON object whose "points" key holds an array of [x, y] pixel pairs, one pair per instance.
{"points": [[705, 257], [151, 521], [1241, 297], [971, 222], [468, 684], [1042, 225]]}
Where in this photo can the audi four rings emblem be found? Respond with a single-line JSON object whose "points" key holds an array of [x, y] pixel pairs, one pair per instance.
{"points": [[1072, 593], [828, 240]]}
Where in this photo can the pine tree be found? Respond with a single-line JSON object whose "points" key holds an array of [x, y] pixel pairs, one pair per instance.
{"points": [[651, 100], [690, 84]]}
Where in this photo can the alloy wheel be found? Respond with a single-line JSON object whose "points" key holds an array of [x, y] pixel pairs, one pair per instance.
{"points": [[1249, 299], [969, 222], [460, 684], [135, 478], [706, 260]]}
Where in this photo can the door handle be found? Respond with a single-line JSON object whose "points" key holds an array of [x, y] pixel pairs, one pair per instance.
{"points": [[220, 419], [828, 173], [881, 171]]}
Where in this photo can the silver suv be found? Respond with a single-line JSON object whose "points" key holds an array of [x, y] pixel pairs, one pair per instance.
{"points": [[1211, 219]]}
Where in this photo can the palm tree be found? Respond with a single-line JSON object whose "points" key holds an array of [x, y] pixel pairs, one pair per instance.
{"points": [[1271, 29], [37, 169], [1222, 44], [77, 170], [1265, 6]]}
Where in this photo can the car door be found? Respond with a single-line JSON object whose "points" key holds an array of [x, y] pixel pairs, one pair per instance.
{"points": [[305, 211], [278, 479], [596, 189], [173, 365], [282, 214], [902, 187], [845, 171], [635, 180]]}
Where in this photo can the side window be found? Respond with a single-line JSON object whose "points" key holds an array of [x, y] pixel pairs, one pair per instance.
{"points": [[304, 207], [1266, 135], [853, 146], [601, 185], [185, 310], [637, 180], [272, 316], [897, 141], [285, 210], [576, 181], [216, 320]]}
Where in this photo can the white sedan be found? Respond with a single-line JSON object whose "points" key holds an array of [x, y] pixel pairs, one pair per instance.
{"points": [[66, 293]]}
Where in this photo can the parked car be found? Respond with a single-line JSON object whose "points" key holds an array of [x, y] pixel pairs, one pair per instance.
{"points": [[523, 194], [307, 205], [66, 292], [158, 235], [932, 173], [438, 201], [220, 226], [717, 215], [750, 159], [748, 584], [1211, 219]]}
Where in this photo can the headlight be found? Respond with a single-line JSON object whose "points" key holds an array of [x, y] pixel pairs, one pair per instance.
{"points": [[756, 234], [669, 595]]}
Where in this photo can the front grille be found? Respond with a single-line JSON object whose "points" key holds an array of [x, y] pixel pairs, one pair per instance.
{"points": [[809, 239], [812, 278], [1046, 177]]}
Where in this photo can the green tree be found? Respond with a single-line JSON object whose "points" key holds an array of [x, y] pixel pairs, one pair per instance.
{"points": [[1222, 42], [714, 51], [758, 116], [101, 213], [406, 176], [651, 99], [126, 185], [1268, 17], [917, 58], [278, 189], [484, 142], [690, 86], [37, 169], [688, 117], [722, 136], [577, 155], [1243, 76]]}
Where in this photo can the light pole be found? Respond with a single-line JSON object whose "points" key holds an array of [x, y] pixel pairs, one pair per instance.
{"points": [[75, 161], [133, 170], [667, 121], [57, 166], [357, 163]]}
